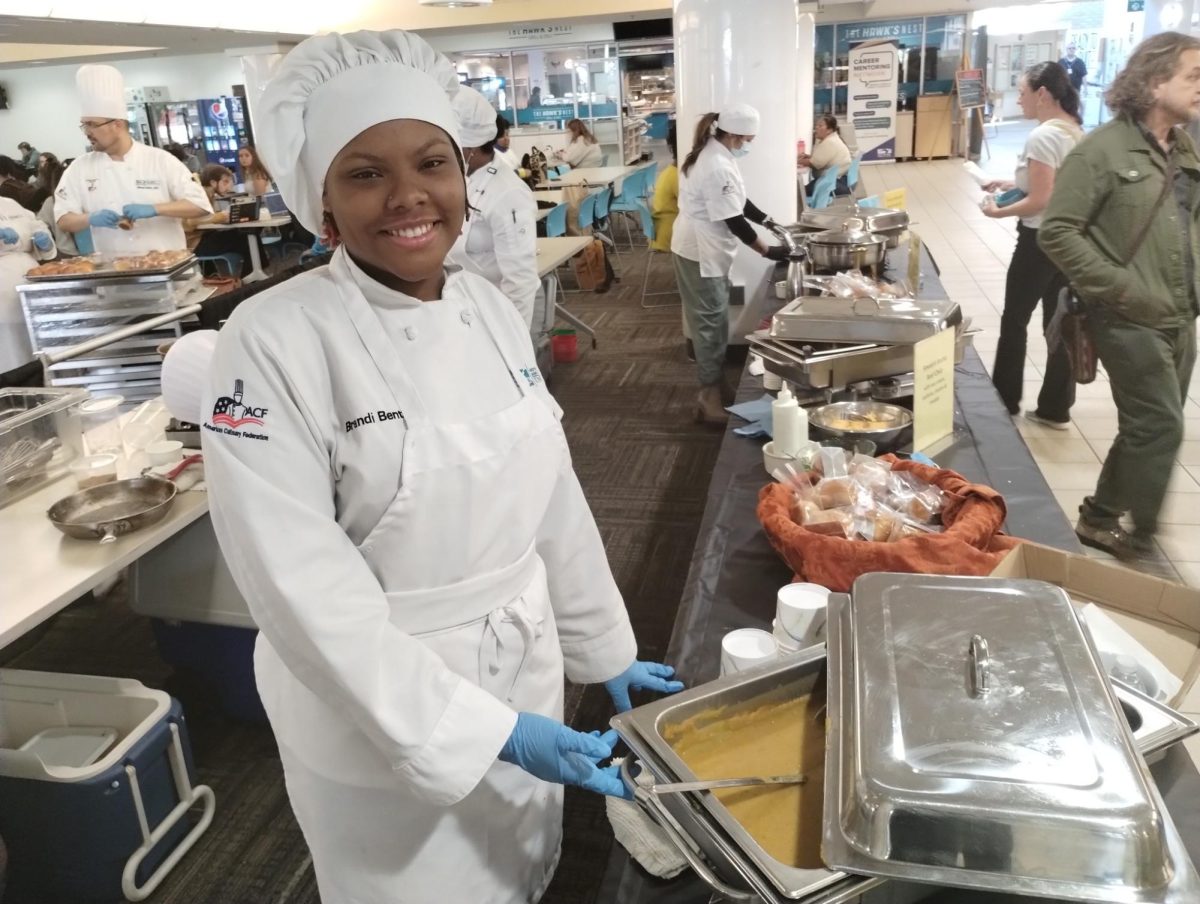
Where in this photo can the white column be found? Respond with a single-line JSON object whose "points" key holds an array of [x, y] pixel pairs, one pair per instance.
{"points": [[805, 77], [745, 50]]}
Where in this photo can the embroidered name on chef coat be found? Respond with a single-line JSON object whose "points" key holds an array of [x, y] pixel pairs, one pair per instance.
{"points": [[374, 417], [148, 184], [532, 375]]}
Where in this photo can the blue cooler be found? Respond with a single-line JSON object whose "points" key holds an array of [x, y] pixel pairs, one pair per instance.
{"points": [[96, 793], [222, 655]]}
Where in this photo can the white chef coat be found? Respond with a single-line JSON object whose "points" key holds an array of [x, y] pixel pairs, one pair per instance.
{"points": [[499, 239], [508, 157], [710, 192], [394, 495], [15, 261], [147, 175]]}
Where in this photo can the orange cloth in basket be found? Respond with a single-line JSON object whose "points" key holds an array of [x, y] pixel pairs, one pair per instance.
{"points": [[971, 544]]}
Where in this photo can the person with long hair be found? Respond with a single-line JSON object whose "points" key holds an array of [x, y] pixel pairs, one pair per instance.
{"points": [[584, 149], [1123, 226], [393, 493], [255, 178], [714, 215], [1045, 94]]}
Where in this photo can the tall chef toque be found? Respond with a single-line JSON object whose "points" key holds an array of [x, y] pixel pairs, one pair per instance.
{"points": [[476, 118], [101, 92], [333, 87], [738, 119]]}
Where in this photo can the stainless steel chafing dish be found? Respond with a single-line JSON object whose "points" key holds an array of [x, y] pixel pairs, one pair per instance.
{"points": [[898, 321], [1034, 786]]}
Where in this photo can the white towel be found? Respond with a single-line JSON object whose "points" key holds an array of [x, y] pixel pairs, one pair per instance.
{"points": [[645, 841]]}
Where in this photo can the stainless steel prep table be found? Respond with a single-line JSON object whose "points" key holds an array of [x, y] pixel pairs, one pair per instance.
{"points": [[735, 573]]}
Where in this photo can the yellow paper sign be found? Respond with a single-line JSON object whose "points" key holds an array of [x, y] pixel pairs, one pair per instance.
{"points": [[933, 389], [896, 199]]}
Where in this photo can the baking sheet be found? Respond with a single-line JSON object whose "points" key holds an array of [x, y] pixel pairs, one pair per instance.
{"points": [[104, 270]]}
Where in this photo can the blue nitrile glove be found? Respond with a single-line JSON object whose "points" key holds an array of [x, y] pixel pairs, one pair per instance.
{"points": [[42, 241], [553, 752], [9, 236], [643, 676], [139, 211], [924, 459], [105, 219]]}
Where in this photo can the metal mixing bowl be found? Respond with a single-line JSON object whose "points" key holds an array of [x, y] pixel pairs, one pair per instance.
{"points": [[877, 421]]}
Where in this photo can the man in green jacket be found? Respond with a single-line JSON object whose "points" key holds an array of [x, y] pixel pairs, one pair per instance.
{"points": [[1123, 225]]}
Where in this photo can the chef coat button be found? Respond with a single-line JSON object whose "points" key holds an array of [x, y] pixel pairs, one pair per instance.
{"points": [[1133, 174], [410, 332], [368, 548], [467, 317]]}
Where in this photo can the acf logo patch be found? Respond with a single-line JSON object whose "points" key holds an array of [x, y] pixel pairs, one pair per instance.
{"points": [[231, 415]]}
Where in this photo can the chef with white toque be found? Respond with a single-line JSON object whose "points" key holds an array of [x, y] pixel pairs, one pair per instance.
{"points": [[394, 495], [499, 238], [133, 197]]}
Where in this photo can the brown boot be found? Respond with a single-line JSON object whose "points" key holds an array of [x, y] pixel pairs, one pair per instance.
{"points": [[709, 409], [728, 392]]}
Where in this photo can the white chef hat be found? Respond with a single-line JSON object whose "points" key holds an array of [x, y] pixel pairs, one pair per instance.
{"points": [[101, 91], [476, 118], [738, 119], [185, 373], [332, 87]]}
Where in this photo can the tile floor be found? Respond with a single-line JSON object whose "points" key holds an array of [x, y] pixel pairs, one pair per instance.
{"points": [[973, 253]]}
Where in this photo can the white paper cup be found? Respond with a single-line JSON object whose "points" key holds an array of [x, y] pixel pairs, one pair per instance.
{"points": [[800, 611], [165, 452], [783, 641], [746, 647]]}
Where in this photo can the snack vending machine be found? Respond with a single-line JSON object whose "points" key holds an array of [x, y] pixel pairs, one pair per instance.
{"points": [[226, 128]]}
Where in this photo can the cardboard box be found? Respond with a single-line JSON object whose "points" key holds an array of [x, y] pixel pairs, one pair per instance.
{"points": [[1162, 616]]}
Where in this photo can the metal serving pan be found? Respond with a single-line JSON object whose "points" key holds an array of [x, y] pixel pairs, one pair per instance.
{"points": [[900, 321], [104, 270], [974, 741]]}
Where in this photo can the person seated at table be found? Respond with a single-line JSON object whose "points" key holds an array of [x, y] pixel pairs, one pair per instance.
{"points": [[583, 150], [255, 178], [218, 185], [29, 157], [664, 205], [829, 150]]}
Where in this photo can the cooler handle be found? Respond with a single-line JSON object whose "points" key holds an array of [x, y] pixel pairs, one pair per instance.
{"points": [[188, 797]]}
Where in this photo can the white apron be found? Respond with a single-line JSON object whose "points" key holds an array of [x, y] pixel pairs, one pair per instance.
{"points": [[379, 845]]}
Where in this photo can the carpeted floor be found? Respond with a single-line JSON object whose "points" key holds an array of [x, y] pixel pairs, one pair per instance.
{"points": [[645, 467]]}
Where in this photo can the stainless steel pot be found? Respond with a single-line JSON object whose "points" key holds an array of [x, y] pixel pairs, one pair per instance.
{"points": [[885, 425], [111, 510], [848, 248], [880, 220]]}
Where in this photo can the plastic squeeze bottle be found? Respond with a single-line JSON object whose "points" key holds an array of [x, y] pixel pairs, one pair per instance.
{"points": [[789, 423]]}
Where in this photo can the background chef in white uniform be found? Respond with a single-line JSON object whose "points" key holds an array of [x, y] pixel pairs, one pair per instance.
{"points": [[499, 237], [394, 495], [24, 240], [714, 215], [133, 197]]}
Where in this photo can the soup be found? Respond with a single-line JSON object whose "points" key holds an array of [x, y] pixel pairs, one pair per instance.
{"points": [[775, 737]]}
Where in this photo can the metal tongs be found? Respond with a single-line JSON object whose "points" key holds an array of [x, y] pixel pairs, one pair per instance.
{"points": [[714, 783]]}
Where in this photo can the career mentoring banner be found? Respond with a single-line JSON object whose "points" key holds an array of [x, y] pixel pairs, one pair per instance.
{"points": [[872, 88]]}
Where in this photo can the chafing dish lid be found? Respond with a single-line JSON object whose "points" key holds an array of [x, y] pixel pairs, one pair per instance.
{"points": [[974, 720], [875, 219], [929, 315]]}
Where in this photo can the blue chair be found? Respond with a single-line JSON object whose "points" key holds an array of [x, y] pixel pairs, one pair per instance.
{"points": [[852, 173], [587, 213], [556, 221], [648, 227], [602, 228], [634, 190], [227, 264], [822, 193]]}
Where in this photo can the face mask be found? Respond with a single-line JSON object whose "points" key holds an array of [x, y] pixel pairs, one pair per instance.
{"points": [[740, 152]]}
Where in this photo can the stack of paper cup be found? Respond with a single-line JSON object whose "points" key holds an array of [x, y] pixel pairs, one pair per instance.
{"points": [[800, 615], [746, 647], [185, 373]]}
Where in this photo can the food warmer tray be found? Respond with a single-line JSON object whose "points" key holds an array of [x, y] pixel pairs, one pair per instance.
{"points": [[970, 719], [721, 852], [831, 365], [85, 280], [900, 321]]}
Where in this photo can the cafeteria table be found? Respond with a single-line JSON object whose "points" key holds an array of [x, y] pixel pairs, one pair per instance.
{"points": [[551, 253], [250, 227], [593, 175]]}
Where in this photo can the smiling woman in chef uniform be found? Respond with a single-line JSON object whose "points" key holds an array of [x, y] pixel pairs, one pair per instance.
{"points": [[395, 498]]}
